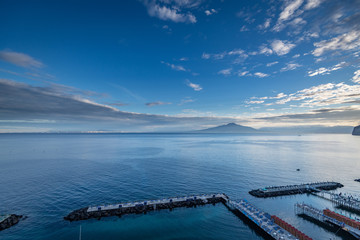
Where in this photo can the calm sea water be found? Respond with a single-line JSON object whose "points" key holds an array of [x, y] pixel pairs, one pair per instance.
{"points": [[47, 176]]}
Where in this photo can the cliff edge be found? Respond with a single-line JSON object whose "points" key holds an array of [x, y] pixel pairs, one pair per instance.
{"points": [[356, 131]]}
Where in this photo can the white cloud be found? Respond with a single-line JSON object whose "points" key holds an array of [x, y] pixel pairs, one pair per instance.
{"points": [[296, 56], [319, 95], [258, 100], [261, 75], [205, 56], [244, 73], [272, 63], [170, 12], [312, 4], [265, 25], [297, 21], [356, 77], [175, 67], [20, 59], [325, 94], [280, 95], [186, 100], [210, 12], [290, 66], [239, 53], [254, 102], [345, 42], [225, 71], [244, 29], [281, 47], [289, 10], [265, 50], [323, 71], [151, 104], [194, 86]]}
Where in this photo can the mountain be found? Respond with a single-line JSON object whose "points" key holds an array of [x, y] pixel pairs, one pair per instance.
{"points": [[356, 131], [229, 128]]}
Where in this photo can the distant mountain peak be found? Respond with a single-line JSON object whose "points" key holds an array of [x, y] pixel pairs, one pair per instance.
{"points": [[229, 128]]}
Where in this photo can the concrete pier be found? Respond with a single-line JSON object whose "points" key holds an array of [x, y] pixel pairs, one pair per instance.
{"points": [[138, 207], [274, 191]]}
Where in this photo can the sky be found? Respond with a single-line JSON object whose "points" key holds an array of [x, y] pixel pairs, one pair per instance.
{"points": [[178, 65]]}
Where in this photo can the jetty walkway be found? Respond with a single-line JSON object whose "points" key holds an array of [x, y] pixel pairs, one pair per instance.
{"points": [[326, 216], [340, 199], [274, 191], [265, 222]]}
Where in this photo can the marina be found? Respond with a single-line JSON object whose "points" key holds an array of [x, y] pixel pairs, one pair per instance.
{"points": [[270, 226], [330, 218], [274, 191]]}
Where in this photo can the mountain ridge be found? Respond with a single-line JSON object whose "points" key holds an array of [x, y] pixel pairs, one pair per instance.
{"points": [[229, 128]]}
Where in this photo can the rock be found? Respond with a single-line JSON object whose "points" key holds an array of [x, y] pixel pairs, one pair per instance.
{"points": [[356, 131], [10, 221]]}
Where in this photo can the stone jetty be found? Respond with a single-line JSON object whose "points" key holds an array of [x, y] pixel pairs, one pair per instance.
{"points": [[139, 207]]}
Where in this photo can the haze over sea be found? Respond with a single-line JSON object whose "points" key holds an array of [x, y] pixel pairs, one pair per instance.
{"points": [[46, 176]]}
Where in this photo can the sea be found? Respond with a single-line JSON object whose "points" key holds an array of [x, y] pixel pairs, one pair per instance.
{"points": [[46, 176]]}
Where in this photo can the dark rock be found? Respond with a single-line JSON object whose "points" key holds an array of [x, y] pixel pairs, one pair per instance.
{"points": [[356, 131], [10, 221]]}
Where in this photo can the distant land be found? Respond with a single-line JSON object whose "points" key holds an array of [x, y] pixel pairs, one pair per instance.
{"points": [[309, 129], [230, 128], [356, 131], [236, 128]]}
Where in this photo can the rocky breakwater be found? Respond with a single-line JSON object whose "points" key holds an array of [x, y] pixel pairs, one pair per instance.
{"points": [[9, 221], [140, 207], [356, 131]]}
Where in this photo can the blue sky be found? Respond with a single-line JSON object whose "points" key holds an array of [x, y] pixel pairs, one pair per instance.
{"points": [[173, 65]]}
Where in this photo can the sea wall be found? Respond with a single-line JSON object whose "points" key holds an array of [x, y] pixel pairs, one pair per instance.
{"points": [[83, 213]]}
